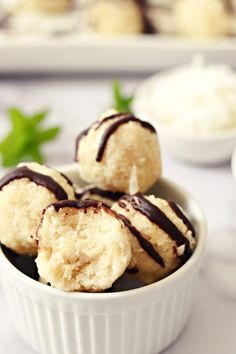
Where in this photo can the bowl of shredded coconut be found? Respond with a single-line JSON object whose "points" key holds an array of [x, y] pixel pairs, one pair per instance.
{"points": [[194, 110]]}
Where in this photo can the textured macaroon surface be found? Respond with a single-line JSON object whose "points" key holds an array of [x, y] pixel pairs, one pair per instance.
{"points": [[167, 254], [132, 146], [22, 201], [203, 18], [83, 246], [115, 17], [46, 6]]}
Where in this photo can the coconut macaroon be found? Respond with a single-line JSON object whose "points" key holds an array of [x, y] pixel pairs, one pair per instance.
{"points": [[114, 149], [114, 17], [203, 18], [162, 238], [24, 193], [45, 6], [101, 195], [83, 246]]}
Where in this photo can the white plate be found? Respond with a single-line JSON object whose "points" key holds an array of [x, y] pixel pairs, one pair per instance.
{"points": [[79, 52]]}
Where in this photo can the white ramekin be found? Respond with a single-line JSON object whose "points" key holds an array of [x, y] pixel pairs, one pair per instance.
{"points": [[205, 149], [139, 321]]}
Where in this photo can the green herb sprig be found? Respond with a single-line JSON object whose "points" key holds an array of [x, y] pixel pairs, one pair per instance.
{"points": [[24, 141], [122, 103]]}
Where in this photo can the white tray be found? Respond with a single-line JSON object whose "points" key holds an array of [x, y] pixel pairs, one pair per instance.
{"points": [[83, 52]]}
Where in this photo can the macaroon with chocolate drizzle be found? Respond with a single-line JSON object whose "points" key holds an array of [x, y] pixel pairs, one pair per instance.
{"points": [[83, 246], [162, 238], [112, 17], [109, 149], [24, 193]]}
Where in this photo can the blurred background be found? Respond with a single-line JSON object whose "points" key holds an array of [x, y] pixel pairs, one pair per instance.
{"points": [[107, 35], [59, 59]]}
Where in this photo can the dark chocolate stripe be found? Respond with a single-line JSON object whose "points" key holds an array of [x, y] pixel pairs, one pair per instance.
{"points": [[85, 132], [146, 245], [113, 116], [181, 215], [77, 204], [229, 7], [155, 215], [113, 127], [77, 142], [102, 193], [38, 178], [66, 178]]}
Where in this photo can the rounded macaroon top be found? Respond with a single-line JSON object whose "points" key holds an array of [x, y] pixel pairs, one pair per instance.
{"points": [[41, 175], [162, 238], [114, 121], [167, 216], [24, 193], [115, 146]]}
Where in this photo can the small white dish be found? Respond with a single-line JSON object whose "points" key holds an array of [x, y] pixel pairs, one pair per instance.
{"points": [[138, 321], [206, 149]]}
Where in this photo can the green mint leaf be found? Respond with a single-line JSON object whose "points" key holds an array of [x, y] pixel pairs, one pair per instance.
{"points": [[48, 134], [13, 144], [15, 112], [35, 154], [23, 142], [9, 161], [17, 119], [38, 117], [122, 103]]}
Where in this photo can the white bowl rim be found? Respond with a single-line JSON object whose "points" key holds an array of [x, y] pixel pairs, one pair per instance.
{"points": [[6, 265], [140, 92]]}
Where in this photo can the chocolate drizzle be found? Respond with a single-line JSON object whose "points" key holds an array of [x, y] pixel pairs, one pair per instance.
{"points": [[181, 215], [77, 142], [114, 196], [146, 245], [67, 179], [77, 204], [155, 215], [229, 7], [123, 119], [147, 24], [38, 178], [98, 125], [113, 116], [112, 129]]}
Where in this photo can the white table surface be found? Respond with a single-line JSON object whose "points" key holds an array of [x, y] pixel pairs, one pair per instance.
{"points": [[75, 102]]}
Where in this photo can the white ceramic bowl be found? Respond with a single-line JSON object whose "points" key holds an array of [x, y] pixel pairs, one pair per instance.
{"points": [[210, 149], [139, 321]]}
